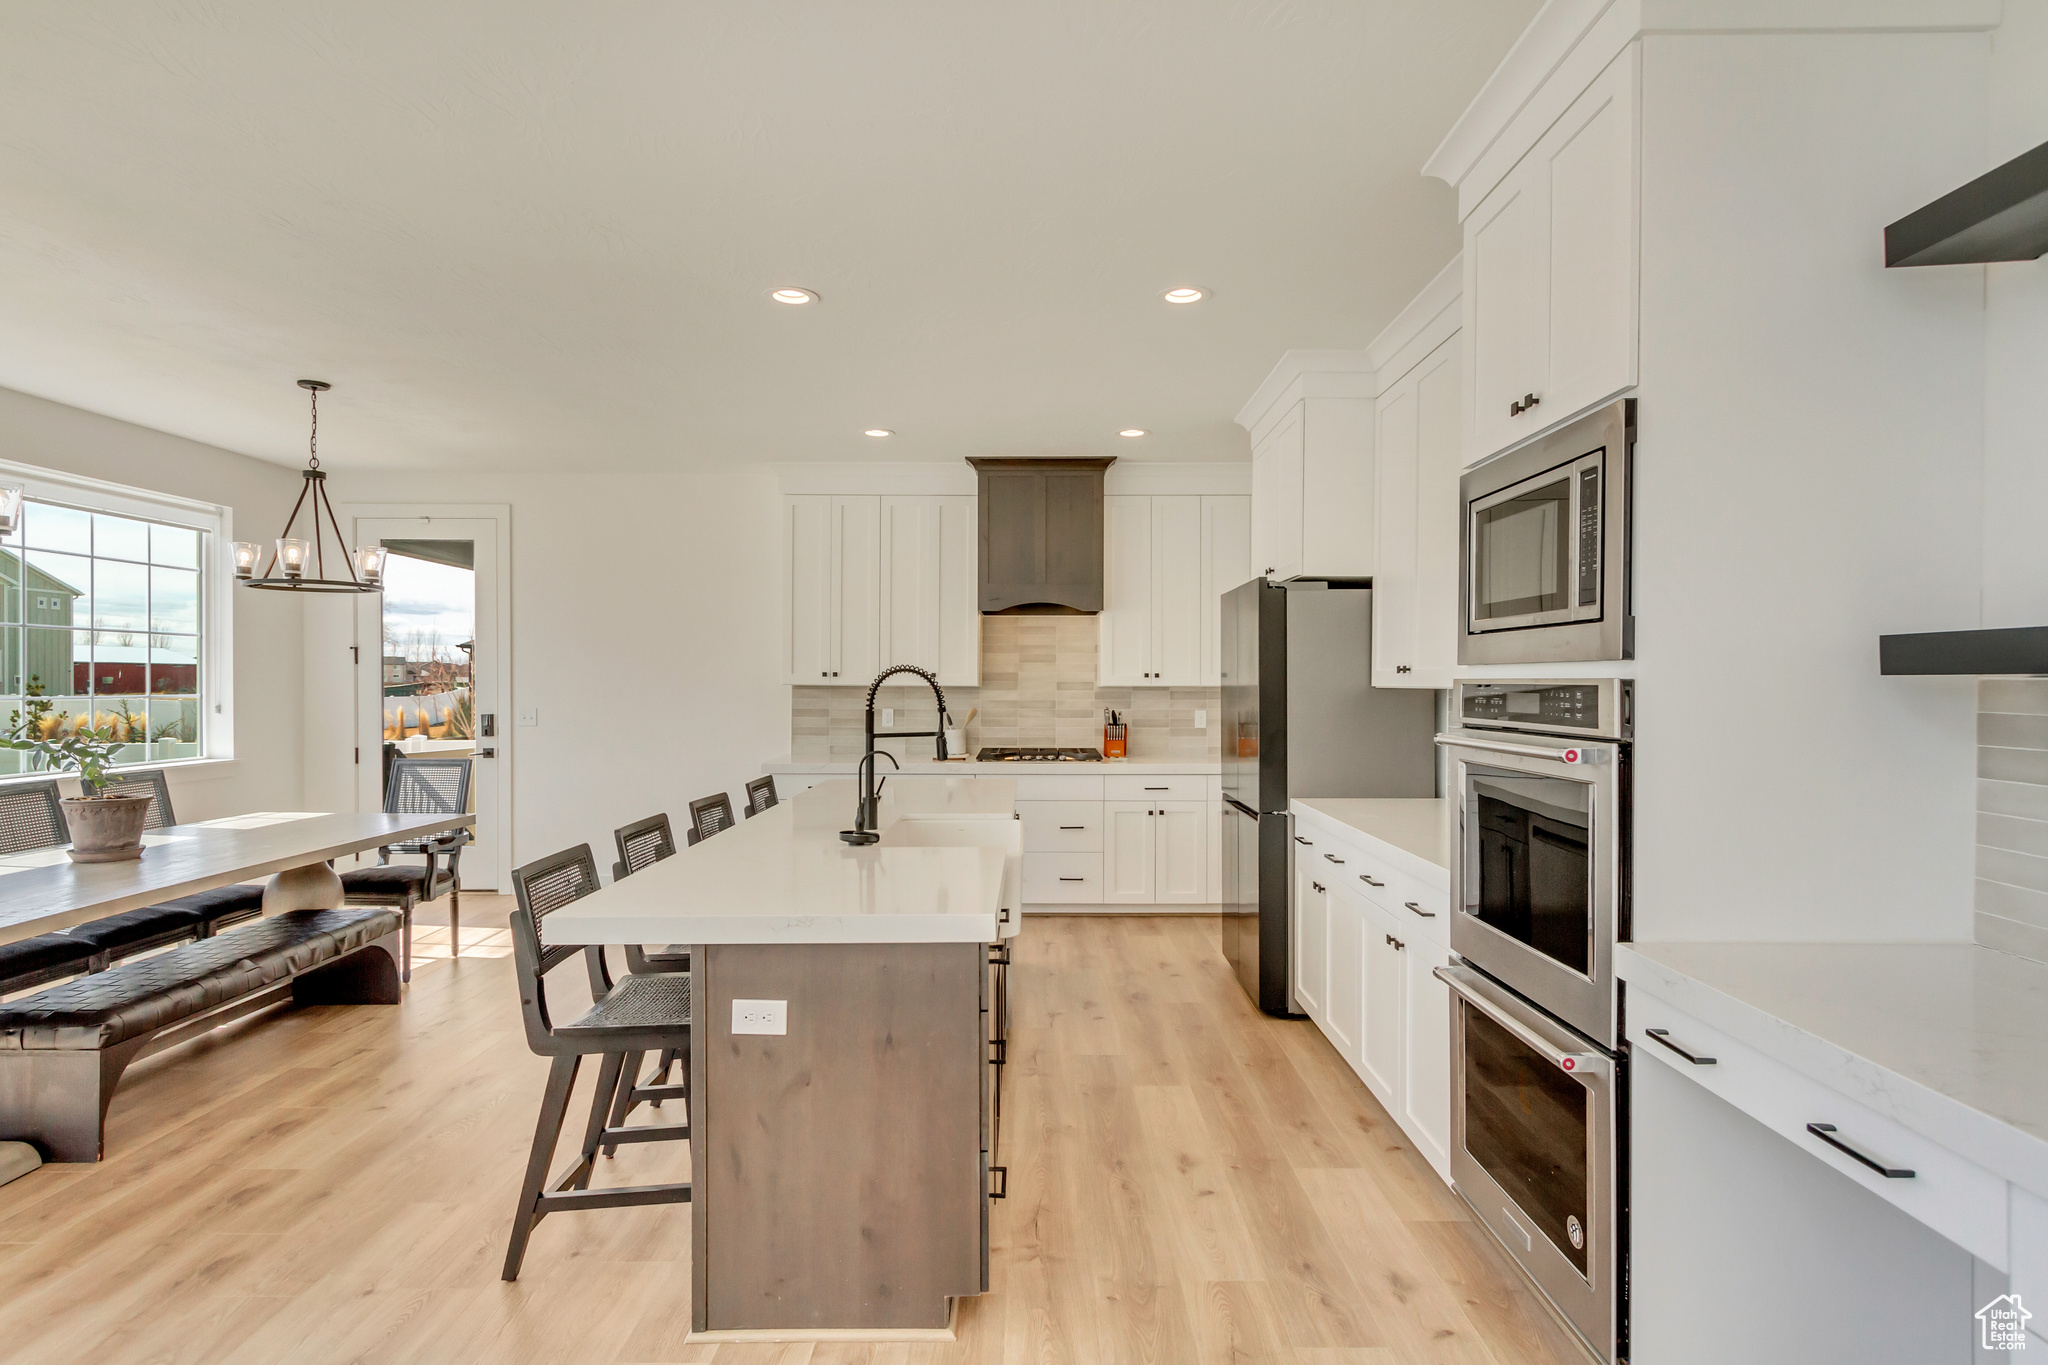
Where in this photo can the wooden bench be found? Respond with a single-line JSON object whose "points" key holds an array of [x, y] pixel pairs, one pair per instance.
{"points": [[62, 1050]]}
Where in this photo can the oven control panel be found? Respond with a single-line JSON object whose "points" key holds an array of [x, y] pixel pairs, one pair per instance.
{"points": [[1603, 706]]}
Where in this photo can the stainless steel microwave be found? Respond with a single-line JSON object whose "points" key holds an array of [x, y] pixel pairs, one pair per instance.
{"points": [[1545, 547]]}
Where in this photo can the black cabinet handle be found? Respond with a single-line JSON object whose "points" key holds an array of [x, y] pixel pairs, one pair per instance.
{"points": [[1369, 881], [1658, 1035], [1402, 668], [1426, 914], [1334, 858], [1824, 1132], [1529, 400], [1004, 1191], [1073, 879], [1004, 918], [1317, 885], [1158, 789], [1397, 944], [1073, 826], [1299, 840]]}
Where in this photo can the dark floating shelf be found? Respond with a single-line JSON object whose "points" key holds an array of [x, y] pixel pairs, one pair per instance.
{"points": [[2023, 649], [2002, 215]]}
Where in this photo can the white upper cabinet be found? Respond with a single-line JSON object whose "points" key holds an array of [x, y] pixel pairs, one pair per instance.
{"points": [[1163, 557], [1311, 434], [1416, 463], [833, 558], [1550, 272], [875, 580], [929, 613], [1226, 564]]}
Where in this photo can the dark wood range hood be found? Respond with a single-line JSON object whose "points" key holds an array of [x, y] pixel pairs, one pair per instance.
{"points": [[1041, 534]]}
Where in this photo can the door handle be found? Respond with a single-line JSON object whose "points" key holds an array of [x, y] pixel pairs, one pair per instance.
{"points": [[1658, 1035], [487, 753]]}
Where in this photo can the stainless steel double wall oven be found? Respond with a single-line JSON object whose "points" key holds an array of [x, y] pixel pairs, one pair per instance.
{"points": [[1540, 773]]}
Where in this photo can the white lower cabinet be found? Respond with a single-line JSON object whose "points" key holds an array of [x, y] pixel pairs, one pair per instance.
{"points": [[1345, 920], [1155, 852], [1424, 1111], [1379, 1060], [1311, 941]]}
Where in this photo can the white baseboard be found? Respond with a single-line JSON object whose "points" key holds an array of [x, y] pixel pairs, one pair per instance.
{"points": [[1210, 909]]}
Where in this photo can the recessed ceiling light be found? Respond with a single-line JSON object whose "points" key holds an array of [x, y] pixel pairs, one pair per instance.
{"points": [[1183, 296], [878, 432], [793, 296], [1132, 431]]}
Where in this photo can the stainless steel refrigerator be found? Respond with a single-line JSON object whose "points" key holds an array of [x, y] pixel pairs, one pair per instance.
{"points": [[1301, 718]]}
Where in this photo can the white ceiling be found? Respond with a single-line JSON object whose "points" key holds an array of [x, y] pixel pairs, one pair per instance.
{"points": [[520, 232]]}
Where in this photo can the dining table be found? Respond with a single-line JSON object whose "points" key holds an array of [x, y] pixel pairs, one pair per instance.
{"points": [[42, 890]]}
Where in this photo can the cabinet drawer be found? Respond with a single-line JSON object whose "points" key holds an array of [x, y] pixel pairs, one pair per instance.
{"points": [[1167, 787], [1063, 878], [1061, 826], [1050, 787], [1957, 1198]]}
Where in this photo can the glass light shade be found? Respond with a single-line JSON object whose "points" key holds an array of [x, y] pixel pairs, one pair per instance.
{"points": [[10, 508], [370, 563], [293, 555], [247, 552]]}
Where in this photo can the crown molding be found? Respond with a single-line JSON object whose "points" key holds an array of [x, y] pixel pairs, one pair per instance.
{"points": [[1307, 374], [1425, 324]]}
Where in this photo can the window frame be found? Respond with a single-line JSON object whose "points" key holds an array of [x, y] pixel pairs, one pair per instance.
{"points": [[215, 523]]}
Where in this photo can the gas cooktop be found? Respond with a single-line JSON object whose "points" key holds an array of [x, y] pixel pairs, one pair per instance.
{"points": [[1039, 756]]}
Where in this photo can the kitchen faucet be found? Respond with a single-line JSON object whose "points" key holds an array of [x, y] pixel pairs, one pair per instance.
{"points": [[866, 814]]}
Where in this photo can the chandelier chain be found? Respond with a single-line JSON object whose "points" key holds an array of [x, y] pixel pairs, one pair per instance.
{"points": [[313, 442]]}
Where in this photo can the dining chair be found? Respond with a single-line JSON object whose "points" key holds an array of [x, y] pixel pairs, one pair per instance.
{"points": [[419, 786], [760, 794], [32, 817], [628, 1019], [708, 815], [202, 914]]}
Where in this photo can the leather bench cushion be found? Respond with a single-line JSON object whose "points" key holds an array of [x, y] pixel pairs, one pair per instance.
{"points": [[41, 953], [131, 927], [233, 901], [394, 880], [154, 992]]}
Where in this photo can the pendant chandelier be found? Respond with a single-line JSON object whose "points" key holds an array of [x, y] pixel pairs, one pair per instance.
{"points": [[295, 554]]}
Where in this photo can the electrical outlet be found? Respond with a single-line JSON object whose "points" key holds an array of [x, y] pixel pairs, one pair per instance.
{"points": [[1201, 720], [529, 715], [888, 718], [760, 1016]]}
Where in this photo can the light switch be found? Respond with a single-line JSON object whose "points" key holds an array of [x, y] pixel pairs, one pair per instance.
{"points": [[888, 718], [760, 1016], [1201, 720], [529, 715]]}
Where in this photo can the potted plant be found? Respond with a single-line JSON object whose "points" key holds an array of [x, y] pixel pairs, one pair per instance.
{"points": [[106, 827]]}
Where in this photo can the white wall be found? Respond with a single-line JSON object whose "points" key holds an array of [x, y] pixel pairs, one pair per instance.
{"points": [[268, 682], [658, 589], [1808, 478]]}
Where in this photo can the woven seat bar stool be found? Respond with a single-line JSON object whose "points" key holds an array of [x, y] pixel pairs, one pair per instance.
{"points": [[419, 786], [760, 794], [708, 816], [629, 1019], [642, 844]]}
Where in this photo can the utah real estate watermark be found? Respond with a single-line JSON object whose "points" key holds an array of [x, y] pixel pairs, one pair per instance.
{"points": [[2005, 1323]]}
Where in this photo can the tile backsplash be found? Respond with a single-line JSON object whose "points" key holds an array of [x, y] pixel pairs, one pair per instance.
{"points": [[1037, 688], [2012, 815]]}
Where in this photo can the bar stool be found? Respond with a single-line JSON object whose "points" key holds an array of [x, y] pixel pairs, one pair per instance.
{"points": [[708, 816], [760, 794], [642, 844], [638, 1015]]}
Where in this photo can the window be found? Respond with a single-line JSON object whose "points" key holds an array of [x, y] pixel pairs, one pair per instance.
{"points": [[104, 612]]}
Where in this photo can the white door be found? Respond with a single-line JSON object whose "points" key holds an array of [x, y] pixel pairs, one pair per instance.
{"points": [[1125, 631], [1439, 403], [1277, 469], [1379, 1053], [857, 589], [1426, 1061], [1177, 591], [1507, 292], [1180, 838], [1128, 852], [808, 567], [959, 591], [446, 585], [1347, 969], [1226, 564], [1311, 942], [1394, 536], [1589, 158]]}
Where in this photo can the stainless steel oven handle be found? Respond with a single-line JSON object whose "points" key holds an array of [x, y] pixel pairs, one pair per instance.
{"points": [[1499, 747], [1578, 1065]]}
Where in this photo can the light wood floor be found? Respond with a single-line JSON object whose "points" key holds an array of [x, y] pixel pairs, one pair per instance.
{"points": [[1189, 1182]]}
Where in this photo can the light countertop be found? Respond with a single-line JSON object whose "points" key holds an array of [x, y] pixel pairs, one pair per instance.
{"points": [[1949, 1039], [1416, 831], [1105, 768], [943, 873]]}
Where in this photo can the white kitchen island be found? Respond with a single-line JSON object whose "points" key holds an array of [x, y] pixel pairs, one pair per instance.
{"points": [[845, 1020]]}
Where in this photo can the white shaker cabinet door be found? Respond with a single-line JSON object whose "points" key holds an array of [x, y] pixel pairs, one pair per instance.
{"points": [[1180, 837], [959, 594], [1128, 855], [911, 542], [1435, 614], [1507, 300], [1125, 627], [1425, 1100], [856, 622], [1379, 1056], [1395, 507], [1177, 607], [1311, 940], [808, 568], [1589, 160], [1226, 564], [1344, 1017], [1276, 499]]}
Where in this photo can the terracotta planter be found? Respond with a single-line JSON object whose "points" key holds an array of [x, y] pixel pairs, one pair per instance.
{"points": [[106, 829]]}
